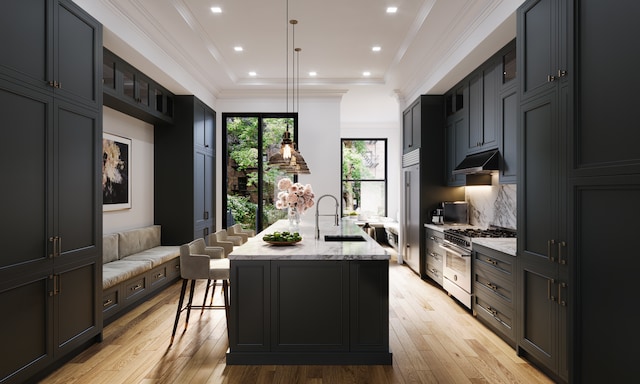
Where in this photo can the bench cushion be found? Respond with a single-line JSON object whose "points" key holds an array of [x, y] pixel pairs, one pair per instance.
{"points": [[157, 255]]}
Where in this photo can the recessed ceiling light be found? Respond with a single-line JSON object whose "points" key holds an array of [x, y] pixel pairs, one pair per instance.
{"points": [[392, 9], [238, 48], [366, 73], [216, 9], [312, 73], [253, 74], [376, 48]]}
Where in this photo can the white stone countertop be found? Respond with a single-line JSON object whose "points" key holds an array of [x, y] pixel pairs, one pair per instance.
{"points": [[310, 248], [502, 244]]}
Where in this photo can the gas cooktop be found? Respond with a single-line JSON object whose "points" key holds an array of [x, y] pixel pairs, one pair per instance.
{"points": [[488, 232]]}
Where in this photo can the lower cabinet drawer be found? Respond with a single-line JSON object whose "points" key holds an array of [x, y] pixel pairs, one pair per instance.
{"points": [[158, 275], [135, 287], [434, 274], [492, 284], [110, 299], [496, 316], [173, 269]]}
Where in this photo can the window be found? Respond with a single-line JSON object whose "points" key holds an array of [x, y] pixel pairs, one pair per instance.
{"points": [[251, 183], [364, 177]]}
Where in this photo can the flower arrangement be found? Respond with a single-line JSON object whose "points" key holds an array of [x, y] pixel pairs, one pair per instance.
{"points": [[294, 196]]}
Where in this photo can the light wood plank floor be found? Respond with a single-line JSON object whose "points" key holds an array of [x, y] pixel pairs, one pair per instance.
{"points": [[433, 340]]}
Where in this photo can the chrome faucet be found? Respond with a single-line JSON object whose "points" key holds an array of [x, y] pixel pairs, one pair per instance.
{"points": [[337, 217]]}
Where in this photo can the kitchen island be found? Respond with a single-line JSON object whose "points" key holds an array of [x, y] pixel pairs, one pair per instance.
{"points": [[314, 302]]}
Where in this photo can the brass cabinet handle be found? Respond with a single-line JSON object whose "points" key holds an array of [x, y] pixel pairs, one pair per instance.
{"points": [[550, 244], [52, 241], [492, 286], [549, 295], [491, 261], [136, 287], [560, 287], [107, 302], [561, 246]]}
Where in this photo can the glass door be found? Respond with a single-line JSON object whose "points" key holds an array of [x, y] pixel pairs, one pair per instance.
{"points": [[251, 183]]}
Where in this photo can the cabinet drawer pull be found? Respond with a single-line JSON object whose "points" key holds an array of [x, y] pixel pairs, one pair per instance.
{"points": [[492, 286], [491, 261], [562, 73], [107, 303], [159, 275], [492, 311], [551, 78], [550, 244], [136, 287]]}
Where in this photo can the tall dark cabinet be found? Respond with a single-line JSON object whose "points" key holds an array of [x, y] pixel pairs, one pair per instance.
{"points": [[185, 172], [51, 264], [578, 188], [424, 182]]}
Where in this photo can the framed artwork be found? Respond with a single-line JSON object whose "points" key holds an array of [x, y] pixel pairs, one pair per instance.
{"points": [[116, 172]]}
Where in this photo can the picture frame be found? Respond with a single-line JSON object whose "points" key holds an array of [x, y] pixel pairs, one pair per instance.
{"points": [[116, 172]]}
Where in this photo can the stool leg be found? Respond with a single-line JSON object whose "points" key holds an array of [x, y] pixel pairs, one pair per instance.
{"points": [[193, 287], [175, 324], [206, 292], [225, 291], [213, 291]]}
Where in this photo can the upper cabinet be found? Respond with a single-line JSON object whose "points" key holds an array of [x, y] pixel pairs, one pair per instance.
{"points": [[483, 111], [482, 115], [52, 46], [544, 34], [411, 127], [130, 91]]}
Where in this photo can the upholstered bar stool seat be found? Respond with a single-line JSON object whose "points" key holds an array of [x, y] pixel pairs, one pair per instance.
{"points": [[201, 262], [237, 230]]}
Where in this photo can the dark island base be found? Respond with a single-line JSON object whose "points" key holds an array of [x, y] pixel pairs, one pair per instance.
{"points": [[315, 358]]}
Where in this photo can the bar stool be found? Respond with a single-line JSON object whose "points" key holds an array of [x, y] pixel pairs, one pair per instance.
{"points": [[237, 230], [200, 262]]}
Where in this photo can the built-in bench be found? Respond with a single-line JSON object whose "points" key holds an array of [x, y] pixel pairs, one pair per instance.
{"points": [[135, 266]]}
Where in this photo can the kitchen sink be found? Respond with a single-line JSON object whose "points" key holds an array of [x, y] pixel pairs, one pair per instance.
{"points": [[344, 238]]}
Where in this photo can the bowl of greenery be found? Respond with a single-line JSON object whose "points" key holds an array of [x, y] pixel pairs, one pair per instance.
{"points": [[282, 238]]}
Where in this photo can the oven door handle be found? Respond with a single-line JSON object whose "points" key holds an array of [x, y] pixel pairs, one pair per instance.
{"points": [[450, 248]]}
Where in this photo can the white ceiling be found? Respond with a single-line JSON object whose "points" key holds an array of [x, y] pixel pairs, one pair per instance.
{"points": [[427, 46]]}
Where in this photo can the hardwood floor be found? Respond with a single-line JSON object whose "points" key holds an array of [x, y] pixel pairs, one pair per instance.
{"points": [[432, 337]]}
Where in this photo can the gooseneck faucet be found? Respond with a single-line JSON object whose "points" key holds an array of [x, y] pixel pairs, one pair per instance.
{"points": [[337, 217]]}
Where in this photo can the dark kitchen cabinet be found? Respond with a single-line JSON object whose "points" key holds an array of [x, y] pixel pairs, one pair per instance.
{"points": [[130, 91], [184, 181], [603, 161], [494, 291], [542, 231], [543, 263], [52, 46], [508, 124], [51, 265], [412, 127], [575, 159], [542, 41], [425, 186], [483, 107], [276, 303], [435, 257], [457, 133]]}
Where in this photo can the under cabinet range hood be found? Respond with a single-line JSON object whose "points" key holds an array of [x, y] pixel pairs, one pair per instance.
{"points": [[479, 163]]}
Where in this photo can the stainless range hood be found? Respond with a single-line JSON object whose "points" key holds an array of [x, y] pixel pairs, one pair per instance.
{"points": [[479, 163]]}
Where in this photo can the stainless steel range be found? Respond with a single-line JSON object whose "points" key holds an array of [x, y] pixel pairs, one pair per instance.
{"points": [[457, 261]]}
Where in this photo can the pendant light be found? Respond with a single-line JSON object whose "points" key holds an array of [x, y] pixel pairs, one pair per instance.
{"points": [[289, 159]]}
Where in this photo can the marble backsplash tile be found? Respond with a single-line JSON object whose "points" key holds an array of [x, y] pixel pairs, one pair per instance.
{"points": [[492, 205]]}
